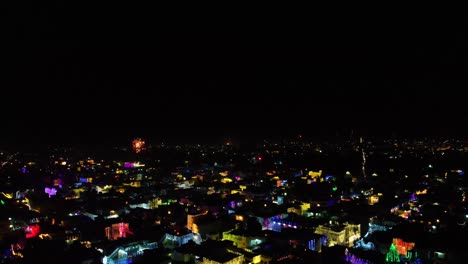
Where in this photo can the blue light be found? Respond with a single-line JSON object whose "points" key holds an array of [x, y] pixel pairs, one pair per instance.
{"points": [[327, 178]]}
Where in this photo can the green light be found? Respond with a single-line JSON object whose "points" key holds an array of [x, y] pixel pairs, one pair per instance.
{"points": [[334, 188], [3, 203], [392, 255]]}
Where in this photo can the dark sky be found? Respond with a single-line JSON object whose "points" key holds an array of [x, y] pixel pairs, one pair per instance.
{"points": [[86, 75]]}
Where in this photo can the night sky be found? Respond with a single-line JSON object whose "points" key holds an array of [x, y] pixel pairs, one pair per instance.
{"points": [[67, 76]]}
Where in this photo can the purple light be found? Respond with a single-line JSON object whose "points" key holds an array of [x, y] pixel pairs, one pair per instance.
{"points": [[237, 178], [129, 165], [83, 180], [50, 191], [351, 258]]}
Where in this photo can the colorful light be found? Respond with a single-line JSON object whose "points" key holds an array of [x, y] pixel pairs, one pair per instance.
{"points": [[32, 231], [128, 165], [138, 145], [353, 259], [392, 255], [50, 191], [402, 246]]}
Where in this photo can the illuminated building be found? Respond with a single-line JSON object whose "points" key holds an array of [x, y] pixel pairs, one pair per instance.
{"points": [[279, 200], [117, 230], [373, 199], [125, 253], [392, 256], [279, 224], [268, 220], [209, 228], [178, 239], [365, 257], [194, 218], [340, 234], [216, 252], [316, 243], [382, 224], [242, 239], [210, 252], [299, 209], [402, 246], [226, 258], [295, 210], [151, 204]]}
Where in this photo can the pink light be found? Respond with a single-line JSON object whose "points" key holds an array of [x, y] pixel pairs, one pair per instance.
{"points": [[259, 158]]}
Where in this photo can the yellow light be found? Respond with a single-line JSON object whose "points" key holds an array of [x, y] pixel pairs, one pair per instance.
{"points": [[239, 218], [7, 195]]}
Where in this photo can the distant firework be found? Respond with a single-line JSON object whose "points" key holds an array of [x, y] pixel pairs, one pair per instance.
{"points": [[138, 145]]}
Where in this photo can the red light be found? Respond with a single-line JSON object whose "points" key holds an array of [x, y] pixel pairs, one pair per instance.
{"points": [[32, 231], [300, 135], [259, 158]]}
